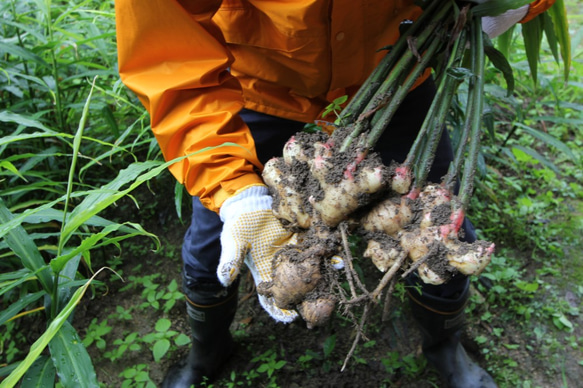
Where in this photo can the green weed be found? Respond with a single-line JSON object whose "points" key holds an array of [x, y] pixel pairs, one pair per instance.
{"points": [[161, 339], [137, 377]]}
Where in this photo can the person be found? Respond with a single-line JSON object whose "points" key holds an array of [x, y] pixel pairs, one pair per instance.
{"points": [[226, 84]]}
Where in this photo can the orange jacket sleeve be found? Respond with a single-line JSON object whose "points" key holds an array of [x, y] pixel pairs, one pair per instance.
{"points": [[174, 58], [536, 8]]}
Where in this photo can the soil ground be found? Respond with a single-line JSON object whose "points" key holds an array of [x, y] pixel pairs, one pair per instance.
{"points": [[256, 333]]}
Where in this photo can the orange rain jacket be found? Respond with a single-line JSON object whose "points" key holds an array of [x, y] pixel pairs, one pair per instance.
{"points": [[195, 63]]}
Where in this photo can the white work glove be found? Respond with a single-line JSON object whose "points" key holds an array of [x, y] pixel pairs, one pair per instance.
{"points": [[251, 234], [497, 25]]}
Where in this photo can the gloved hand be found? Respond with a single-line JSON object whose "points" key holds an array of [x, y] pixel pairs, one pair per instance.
{"points": [[497, 25], [251, 234]]}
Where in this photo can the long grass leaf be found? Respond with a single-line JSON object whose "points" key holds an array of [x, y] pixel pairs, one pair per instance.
{"points": [[13, 279], [23, 247], [532, 33], [6, 165], [71, 359], [22, 53], [10, 117], [136, 173], [42, 342], [562, 120], [76, 147], [47, 215], [551, 36], [9, 312], [100, 199], [18, 219], [537, 156], [558, 14], [547, 139], [59, 262]]}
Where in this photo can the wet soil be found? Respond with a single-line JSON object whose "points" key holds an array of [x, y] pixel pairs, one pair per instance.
{"points": [[390, 356]]}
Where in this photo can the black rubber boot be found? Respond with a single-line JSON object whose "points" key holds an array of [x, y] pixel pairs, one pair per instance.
{"points": [[441, 321], [210, 313]]}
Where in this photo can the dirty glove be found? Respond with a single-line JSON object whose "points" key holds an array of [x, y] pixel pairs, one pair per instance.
{"points": [[497, 25], [252, 234]]}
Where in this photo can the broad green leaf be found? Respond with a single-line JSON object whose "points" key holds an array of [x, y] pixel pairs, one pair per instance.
{"points": [[501, 63], [8, 282], [549, 31], [532, 34], [10, 311], [66, 280], [163, 324], [136, 174], [41, 374], [504, 41], [160, 348], [558, 14], [71, 359], [182, 339], [24, 247], [497, 7]]}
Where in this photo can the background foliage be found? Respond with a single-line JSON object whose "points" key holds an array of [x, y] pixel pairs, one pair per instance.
{"points": [[75, 145]]}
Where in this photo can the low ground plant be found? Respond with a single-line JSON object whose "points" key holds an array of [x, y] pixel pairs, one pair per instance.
{"points": [[73, 143]]}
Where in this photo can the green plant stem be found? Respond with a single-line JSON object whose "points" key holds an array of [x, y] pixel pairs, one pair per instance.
{"points": [[356, 106], [21, 43], [433, 127], [477, 100], [387, 98], [387, 114], [416, 148], [55, 69]]}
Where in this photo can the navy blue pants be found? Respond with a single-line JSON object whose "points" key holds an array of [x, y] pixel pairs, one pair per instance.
{"points": [[201, 249]]}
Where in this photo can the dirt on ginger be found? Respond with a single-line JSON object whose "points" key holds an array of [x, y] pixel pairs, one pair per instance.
{"points": [[317, 188]]}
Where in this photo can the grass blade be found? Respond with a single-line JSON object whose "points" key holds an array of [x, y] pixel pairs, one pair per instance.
{"points": [[42, 342], [547, 139], [24, 247], [76, 147], [537, 156], [11, 311], [551, 36]]}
